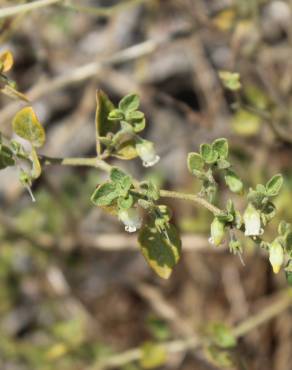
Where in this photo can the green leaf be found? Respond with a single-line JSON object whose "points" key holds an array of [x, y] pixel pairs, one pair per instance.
{"points": [[162, 252], [153, 355], [283, 228], [117, 175], [261, 189], [103, 124], [104, 195], [195, 162], [233, 182], [221, 335], [231, 81], [221, 147], [208, 153], [137, 120], [125, 202], [274, 185], [124, 185], [223, 164], [6, 157], [134, 115], [129, 103], [288, 242], [150, 190], [255, 197], [288, 272], [26, 125]]}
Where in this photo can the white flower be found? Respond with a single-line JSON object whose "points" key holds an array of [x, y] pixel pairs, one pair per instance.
{"points": [[276, 256], [146, 152], [252, 221], [131, 219], [217, 232]]}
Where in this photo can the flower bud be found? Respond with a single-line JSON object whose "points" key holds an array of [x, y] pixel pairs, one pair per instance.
{"points": [[131, 219], [276, 255], [252, 221], [217, 232], [146, 152]]}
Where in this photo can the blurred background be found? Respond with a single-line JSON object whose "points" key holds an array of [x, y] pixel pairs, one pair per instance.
{"points": [[74, 288]]}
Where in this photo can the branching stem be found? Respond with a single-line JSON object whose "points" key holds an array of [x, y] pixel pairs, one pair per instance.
{"points": [[104, 166]]}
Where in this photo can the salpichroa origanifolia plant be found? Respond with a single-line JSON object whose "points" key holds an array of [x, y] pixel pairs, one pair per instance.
{"points": [[118, 135]]}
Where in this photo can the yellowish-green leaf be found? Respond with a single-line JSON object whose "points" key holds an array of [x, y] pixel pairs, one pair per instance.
{"points": [[127, 151], [161, 251], [153, 355], [6, 61], [245, 123], [36, 166], [103, 124], [26, 125]]}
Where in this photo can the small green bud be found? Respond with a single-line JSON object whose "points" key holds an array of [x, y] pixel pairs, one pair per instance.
{"points": [[276, 255], [116, 114], [233, 182], [217, 232], [252, 221]]}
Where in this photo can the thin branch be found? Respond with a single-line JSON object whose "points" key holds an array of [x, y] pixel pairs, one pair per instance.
{"points": [[193, 198], [271, 310], [17, 9], [104, 12]]}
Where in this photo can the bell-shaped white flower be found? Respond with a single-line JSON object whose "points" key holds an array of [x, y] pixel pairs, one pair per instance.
{"points": [[147, 153], [276, 255], [217, 232], [252, 221], [131, 219]]}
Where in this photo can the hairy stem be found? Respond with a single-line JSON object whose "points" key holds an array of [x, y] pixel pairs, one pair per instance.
{"points": [[191, 197], [104, 166], [77, 162]]}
